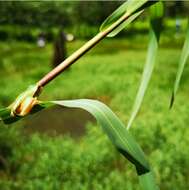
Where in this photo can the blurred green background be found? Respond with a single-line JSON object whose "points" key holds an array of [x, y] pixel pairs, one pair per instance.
{"points": [[63, 149]]}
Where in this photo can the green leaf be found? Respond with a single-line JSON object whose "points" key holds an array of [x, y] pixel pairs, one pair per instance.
{"points": [[118, 135], [115, 130], [8, 118], [5, 116], [147, 181], [21, 106], [132, 8], [181, 65], [156, 21]]}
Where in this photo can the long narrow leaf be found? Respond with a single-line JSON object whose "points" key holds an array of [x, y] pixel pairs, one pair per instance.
{"points": [[156, 20], [119, 136], [8, 118], [5, 116], [181, 65], [133, 8], [21, 106], [113, 127], [115, 130], [147, 181], [124, 25]]}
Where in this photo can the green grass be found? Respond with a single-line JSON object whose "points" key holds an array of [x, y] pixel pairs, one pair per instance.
{"points": [[110, 73]]}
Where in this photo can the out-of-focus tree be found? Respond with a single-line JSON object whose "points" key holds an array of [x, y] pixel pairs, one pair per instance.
{"points": [[35, 13], [177, 8], [54, 13], [93, 12]]}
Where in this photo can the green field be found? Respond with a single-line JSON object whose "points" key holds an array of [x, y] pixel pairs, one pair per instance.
{"points": [[110, 73]]}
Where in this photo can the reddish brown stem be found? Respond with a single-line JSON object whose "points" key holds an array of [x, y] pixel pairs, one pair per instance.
{"points": [[80, 52]]}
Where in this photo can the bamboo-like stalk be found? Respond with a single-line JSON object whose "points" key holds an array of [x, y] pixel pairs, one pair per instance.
{"points": [[80, 52]]}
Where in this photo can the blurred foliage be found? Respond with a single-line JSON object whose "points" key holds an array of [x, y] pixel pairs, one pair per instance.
{"points": [[62, 163], [83, 31], [24, 20], [36, 161], [28, 19], [55, 13]]}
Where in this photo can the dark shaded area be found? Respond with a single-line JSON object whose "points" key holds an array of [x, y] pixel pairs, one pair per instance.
{"points": [[175, 8], [60, 52], [55, 13], [67, 13], [58, 121], [23, 20]]}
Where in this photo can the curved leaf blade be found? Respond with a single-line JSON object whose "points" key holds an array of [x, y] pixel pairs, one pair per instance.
{"points": [[132, 8], [147, 181], [113, 127], [115, 130], [8, 118], [5, 116], [124, 24], [156, 20], [181, 65], [119, 136]]}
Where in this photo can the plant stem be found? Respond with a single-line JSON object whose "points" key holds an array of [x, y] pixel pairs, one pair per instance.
{"points": [[80, 52]]}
